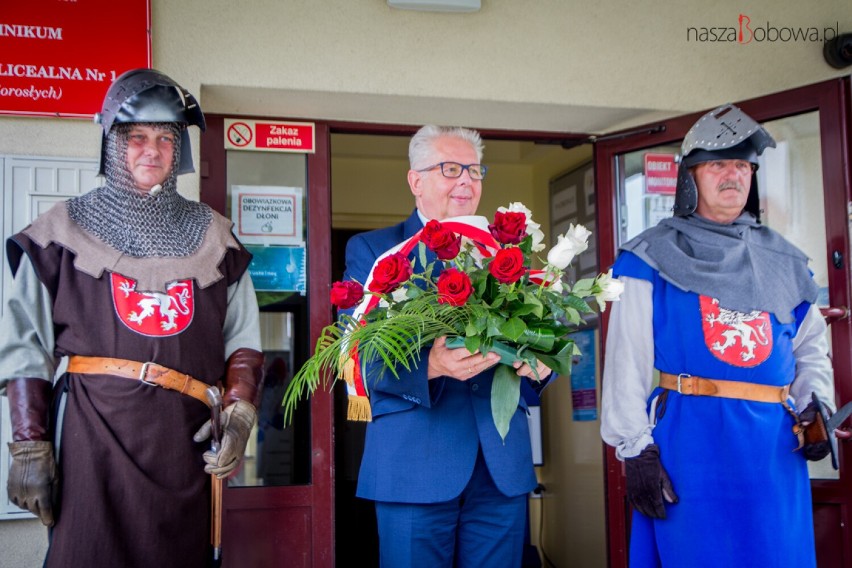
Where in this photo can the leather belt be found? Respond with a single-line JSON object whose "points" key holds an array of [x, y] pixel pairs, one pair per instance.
{"points": [[148, 373], [699, 386]]}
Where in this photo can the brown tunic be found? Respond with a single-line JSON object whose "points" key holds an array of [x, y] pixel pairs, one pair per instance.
{"points": [[133, 492]]}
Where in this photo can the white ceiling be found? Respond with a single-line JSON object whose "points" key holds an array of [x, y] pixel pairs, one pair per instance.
{"points": [[408, 110]]}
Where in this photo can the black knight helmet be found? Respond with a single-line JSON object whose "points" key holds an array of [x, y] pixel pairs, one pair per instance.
{"points": [[148, 96], [726, 133]]}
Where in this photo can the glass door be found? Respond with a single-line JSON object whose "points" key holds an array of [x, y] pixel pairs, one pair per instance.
{"points": [[278, 508]]}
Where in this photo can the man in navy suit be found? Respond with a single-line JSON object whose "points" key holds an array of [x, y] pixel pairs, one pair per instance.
{"points": [[448, 491]]}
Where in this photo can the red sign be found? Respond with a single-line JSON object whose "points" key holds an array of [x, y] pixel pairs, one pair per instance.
{"points": [[243, 134], [660, 173], [58, 57]]}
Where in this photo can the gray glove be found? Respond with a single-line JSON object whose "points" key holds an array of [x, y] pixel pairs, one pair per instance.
{"points": [[648, 484], [237, 421], [33, 482]]}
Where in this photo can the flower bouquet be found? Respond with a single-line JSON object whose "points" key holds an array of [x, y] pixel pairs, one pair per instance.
{"points": [[479, 291]]}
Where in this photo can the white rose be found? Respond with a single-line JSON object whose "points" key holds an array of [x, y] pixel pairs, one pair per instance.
{"points": [[400, 294], [556, 286], [572, 243], [534, 230], [611, 289], [516, 207]]}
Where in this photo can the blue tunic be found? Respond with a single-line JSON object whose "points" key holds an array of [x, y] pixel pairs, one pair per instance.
{"points": [[744, 492]]}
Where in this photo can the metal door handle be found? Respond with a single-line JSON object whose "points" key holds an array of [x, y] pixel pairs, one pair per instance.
{"points": [[834, 313]]}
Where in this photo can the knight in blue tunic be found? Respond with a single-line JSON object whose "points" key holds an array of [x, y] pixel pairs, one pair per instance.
{"points": [[723, 308]]}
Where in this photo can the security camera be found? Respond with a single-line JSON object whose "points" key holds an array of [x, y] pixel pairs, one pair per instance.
{"points": [[838, 51]]}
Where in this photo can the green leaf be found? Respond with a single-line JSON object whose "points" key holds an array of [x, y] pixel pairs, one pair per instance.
{"points": [[479, 285], [472, 343], [573, 316], [539, 338], [513, 328], [531, 300], [505, 394], [577, 303], [471, 329], [525, 309], [494, 324], [583, 287], [561, 360]]}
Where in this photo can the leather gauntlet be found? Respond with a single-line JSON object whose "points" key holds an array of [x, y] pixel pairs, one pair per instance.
{"points": [[243, 383], [237, 421], [244, 378], [33, 482]]}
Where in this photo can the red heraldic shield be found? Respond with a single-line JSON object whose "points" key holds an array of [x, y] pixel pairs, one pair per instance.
{"points": [[153, 313], [737, 338]]}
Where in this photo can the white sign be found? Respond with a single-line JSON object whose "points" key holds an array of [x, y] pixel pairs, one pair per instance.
{"points": [[267, 215]]}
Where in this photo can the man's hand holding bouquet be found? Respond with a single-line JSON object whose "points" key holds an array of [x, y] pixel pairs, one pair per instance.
{"points": [[478, 289]]}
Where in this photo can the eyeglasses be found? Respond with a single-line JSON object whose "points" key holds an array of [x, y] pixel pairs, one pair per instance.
{"points": [[741, 166], [455, 170]]}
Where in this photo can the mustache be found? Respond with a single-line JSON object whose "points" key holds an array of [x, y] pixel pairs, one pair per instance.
{"points": [[731, 185]]}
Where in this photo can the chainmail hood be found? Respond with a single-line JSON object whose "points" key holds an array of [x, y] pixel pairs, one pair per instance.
{"points": [[140, 224]]}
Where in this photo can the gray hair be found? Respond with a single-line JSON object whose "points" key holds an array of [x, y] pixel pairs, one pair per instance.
{"points": [[421, 147]]}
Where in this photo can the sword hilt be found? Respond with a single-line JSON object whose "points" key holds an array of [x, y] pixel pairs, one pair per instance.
{"points": [[214, 397]]}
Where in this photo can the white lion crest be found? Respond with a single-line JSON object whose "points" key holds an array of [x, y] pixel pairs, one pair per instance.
{"points": [[749, 336], [170, 307]]}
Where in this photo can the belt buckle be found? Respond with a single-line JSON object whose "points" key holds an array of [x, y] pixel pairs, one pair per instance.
{"points": [[680, 378], [144, 371]]}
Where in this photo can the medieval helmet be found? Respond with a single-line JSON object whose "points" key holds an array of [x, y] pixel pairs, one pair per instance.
{"points": [[146, 95], [725, 133]]}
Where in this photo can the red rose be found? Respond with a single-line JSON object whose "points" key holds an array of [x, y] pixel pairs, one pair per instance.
{"points": [[508, 265], [509, 228], [442, 241], [454, 287], [345, 295], [390, 272]]}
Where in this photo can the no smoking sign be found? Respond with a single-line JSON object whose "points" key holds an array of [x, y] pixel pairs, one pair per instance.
{"points": [[239, 134], [270, 136]]}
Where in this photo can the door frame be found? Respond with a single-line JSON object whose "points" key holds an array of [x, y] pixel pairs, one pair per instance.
{"points": [[832, 99], [318, 495]]}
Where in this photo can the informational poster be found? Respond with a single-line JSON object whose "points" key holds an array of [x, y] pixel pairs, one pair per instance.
{"points": [[278, 268], [59, 57], [584, 396], [268, 215]]}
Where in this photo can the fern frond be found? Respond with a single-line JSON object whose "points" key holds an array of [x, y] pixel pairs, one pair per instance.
{"points": [[394, 341]]}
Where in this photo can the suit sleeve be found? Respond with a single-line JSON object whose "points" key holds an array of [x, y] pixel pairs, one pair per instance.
{"points": [[412, 386]]}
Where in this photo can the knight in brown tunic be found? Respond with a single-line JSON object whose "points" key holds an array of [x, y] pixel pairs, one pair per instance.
{"points": [[142, 299]]}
